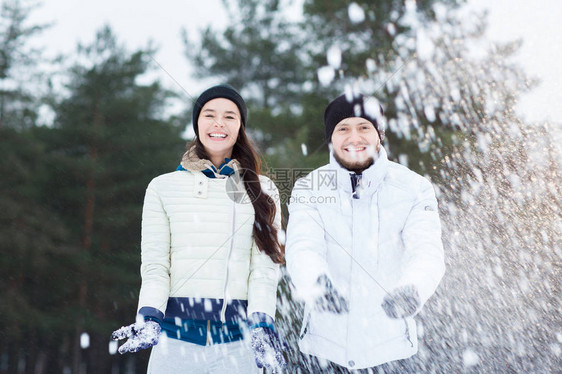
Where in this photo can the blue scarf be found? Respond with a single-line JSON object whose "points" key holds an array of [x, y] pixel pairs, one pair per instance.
{"points": [[213, 172]]}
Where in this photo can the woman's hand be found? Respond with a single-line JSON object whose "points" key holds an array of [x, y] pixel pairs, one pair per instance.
{"points": [[268, 349], [141, 335]]}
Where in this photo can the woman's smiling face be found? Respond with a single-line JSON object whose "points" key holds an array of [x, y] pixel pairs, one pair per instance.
{"points": [[218, 123]]}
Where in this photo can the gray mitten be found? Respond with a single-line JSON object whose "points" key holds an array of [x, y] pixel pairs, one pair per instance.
{"points": [[330, 300], [402, 302]]}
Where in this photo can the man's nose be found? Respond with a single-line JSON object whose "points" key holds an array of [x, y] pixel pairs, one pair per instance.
{"points": [[354, 135]]}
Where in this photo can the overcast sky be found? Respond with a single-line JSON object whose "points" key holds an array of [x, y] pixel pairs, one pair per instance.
{"points": [[135, 23]]}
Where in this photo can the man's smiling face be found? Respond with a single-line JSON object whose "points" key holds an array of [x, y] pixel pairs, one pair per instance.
{"points": [[355, 143]]}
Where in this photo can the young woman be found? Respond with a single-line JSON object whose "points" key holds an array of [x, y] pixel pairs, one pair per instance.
{"points": [[210, 254]]}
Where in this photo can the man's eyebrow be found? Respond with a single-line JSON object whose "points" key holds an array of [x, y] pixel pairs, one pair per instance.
{"points": [[365, 122]]}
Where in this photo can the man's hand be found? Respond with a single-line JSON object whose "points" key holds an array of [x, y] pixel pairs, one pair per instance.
{"points": [[141, 335], [330, 299], [402, 302]]}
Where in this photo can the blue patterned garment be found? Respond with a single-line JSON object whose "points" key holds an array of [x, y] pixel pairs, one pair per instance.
{"points": [[212, 172]]}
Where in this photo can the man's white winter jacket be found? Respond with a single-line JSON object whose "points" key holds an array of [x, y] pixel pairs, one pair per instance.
{"points": [[388, 237], [199, 259]]}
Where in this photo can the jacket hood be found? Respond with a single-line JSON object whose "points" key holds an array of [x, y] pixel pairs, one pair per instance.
{"points": [[190, 161]]}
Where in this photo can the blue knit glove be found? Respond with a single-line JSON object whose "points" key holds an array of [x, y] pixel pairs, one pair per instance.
{"points": [[268, 347], [142, 335]]}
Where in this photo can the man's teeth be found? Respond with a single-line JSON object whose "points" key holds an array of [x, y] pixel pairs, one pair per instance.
{"points": [[355, 149], [217, 135]]}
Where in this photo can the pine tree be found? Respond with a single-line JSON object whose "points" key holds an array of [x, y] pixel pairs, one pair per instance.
{"points": [[32, 239], [110, 137], [18, 103], [31, 235]]}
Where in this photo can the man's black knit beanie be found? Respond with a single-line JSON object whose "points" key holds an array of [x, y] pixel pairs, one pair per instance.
{"points": [[222, 90]]}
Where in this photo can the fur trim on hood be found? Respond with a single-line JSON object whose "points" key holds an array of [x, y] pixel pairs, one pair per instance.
{"points": [[190, 161]]}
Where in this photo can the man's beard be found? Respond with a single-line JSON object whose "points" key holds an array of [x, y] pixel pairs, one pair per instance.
{"points": [[355, 166]]}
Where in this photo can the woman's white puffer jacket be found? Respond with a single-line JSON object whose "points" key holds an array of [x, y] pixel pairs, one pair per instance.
{"points": [[197, 243]]}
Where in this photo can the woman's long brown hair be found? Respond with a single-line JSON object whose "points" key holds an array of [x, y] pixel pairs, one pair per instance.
{"points": [[264, 232]]}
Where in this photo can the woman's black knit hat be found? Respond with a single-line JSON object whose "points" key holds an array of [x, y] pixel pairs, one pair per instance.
{"points": [[222, 90], [341, 108]]}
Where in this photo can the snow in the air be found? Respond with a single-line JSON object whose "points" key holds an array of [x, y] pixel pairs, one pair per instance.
{"points": [[356, 13], [326, 75], [84, 340], [334, 57], [304, 149]]}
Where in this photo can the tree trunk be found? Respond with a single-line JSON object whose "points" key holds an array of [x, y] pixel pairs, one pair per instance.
{"points": [[30, 351], [77, 348], [87, 233], [1, 110], [12, 357], [41, 363]]}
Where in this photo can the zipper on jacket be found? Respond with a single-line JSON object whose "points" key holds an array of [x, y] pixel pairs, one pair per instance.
{"points": [[408, 333], [350, 286], [304, 331], [224, 301]]}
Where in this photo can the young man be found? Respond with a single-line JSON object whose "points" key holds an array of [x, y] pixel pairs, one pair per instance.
{"points": [[363, 247]]}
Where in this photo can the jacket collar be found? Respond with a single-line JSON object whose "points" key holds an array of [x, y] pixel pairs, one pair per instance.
{"points": [[371, 177], [191, 162]]}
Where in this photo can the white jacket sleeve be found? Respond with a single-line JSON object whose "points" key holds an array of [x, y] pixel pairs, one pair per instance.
{"points": [[155, 253], [424, 264], [305, 250], [264, 273]]}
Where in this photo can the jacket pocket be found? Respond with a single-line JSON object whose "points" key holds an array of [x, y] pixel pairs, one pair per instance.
{"points": [[380, 329], [329, 326], [305, 324]]}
